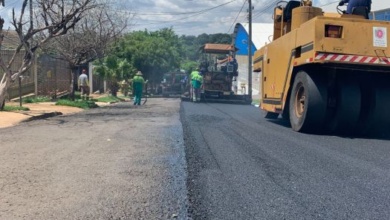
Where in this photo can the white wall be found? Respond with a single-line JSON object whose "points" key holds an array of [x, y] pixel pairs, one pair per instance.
{"points": [[243, 76]]}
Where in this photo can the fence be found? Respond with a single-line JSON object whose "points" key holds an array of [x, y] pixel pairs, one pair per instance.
{"points": [[46, 77], [27, 80], [54, 76]]}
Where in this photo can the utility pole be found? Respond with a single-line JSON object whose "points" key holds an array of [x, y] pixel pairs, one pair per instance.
{"points": [[250, 51]]}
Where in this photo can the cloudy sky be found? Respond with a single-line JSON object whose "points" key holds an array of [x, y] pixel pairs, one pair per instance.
{"points": [[194, 17]]}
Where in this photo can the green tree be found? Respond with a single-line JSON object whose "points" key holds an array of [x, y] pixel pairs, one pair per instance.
{"points": [[153, 53], [190, 47], [115, 70], [189, 66], [192, 44]]}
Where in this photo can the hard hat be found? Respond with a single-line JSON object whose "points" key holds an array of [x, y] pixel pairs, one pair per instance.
{"points": [[139, 73]]}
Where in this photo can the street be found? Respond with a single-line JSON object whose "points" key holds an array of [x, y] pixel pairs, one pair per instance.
{"points": [[115, 162], [242, 166], [182, 160]]}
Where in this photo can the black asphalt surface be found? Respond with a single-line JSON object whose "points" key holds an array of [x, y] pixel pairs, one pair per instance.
{"points": [[243, 166]]}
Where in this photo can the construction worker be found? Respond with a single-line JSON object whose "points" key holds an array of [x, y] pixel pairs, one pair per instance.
{"points": [[192, 78], [84, 85], [356, 3], [197, 81], [138, 84]]}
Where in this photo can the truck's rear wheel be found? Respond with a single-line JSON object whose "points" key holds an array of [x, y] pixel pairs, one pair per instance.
{"points": [[308, 102]]}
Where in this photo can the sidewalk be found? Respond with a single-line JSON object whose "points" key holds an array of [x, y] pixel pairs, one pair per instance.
{"points": [[37, 111]]}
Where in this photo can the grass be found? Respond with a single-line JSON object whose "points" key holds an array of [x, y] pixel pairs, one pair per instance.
{"points": [[110, 99], [84, 104], [66, 101], [36, 99], [12, 108], [87, 104]]}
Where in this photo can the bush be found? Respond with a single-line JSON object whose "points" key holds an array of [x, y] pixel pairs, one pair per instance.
{"points": [[84, 104], [36, 99], [77, 95], [110, 99]]}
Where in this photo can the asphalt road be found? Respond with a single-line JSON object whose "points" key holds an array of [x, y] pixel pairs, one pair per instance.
{"points": [[116, 162], [242, 166], [172, 160]]}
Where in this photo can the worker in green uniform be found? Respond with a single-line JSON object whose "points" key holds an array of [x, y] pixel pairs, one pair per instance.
{"points": [[138, 85], [197, 81], [192, 78]]}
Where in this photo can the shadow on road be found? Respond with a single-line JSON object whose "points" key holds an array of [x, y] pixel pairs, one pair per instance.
{"points": [[379, 134]]}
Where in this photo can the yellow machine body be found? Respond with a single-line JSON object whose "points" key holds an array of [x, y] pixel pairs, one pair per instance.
{"points": [[321, 44]]}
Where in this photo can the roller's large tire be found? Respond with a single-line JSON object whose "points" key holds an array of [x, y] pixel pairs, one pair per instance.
{"points": [[379, 119], [348, 108], [308, 103], [367, 108]]}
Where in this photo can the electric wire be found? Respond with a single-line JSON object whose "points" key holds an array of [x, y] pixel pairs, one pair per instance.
{"points": [[10, 4], [184, 18], [266, 8], [234, 22]]}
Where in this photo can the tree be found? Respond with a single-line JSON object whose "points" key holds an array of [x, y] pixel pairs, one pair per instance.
{"points": [[189, 66], [192, 44], [48, 20], [115, 70], [190, 47], [91, 38], [153, 53]]}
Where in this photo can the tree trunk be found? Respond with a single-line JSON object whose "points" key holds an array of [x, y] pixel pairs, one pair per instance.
{"points": [[114, 89], [4, 84], [73, 84]]}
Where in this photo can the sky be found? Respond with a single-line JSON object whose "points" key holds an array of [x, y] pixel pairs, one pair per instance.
{"points": [[195, 17]]}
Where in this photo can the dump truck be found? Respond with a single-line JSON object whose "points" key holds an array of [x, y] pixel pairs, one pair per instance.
{"points": [[219, 69], [325, 72]]}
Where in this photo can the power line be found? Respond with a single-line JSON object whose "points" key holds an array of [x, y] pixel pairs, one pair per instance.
{"points": [[195, 14], [328, 4], [234, 22], [265, 8]]}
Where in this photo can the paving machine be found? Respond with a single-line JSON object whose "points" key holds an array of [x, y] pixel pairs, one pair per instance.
{"points": [[218, 67], [326, 72]]}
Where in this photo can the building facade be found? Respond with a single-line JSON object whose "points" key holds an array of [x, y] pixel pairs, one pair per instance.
{"points": [[381, 15], [261, 35]]}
